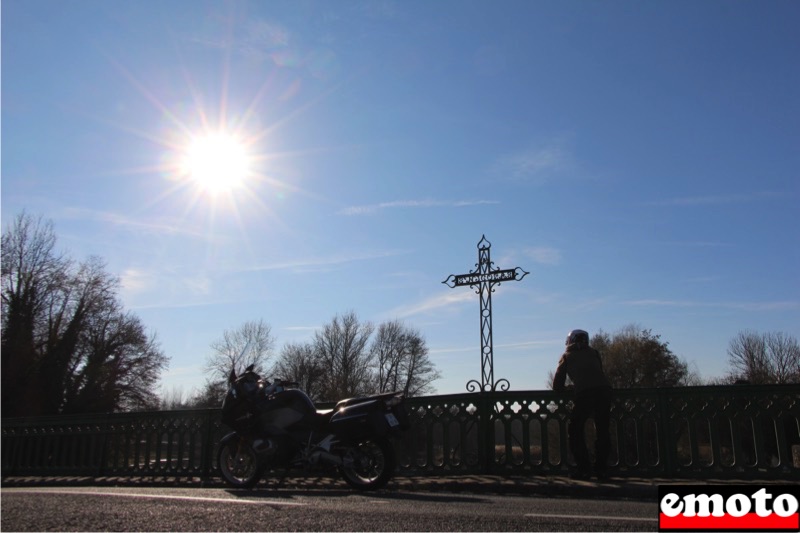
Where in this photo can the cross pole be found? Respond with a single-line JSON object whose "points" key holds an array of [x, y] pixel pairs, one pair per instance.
{"points": [[483, 279]]}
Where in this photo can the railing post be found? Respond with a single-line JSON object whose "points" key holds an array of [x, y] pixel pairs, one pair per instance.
{"points": [[665, 431], [208, 445], [486, 437], [104, 437]]}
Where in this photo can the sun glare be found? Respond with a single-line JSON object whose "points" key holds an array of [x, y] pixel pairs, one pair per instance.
{"points": [[217, 162]]}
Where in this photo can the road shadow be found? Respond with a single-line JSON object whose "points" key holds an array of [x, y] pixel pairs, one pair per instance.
{"points": [[290, 493]]}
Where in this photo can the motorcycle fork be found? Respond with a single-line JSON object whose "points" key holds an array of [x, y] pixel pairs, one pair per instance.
{"points": [[241, 448]]}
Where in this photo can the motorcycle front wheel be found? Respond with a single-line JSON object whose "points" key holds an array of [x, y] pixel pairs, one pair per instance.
{"points": [[368, 464], [239, 464]]}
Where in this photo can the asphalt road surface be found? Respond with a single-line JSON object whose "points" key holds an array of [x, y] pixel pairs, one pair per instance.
{"points": [[195, 509]]}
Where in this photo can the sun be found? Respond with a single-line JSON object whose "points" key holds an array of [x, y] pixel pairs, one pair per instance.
{"points": [[217, 162]]}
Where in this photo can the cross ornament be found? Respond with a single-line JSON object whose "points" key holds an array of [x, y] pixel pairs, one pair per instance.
{"points": [[484, 279]]}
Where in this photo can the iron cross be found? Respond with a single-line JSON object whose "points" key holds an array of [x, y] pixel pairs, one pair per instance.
{"points": [[483, 279]]}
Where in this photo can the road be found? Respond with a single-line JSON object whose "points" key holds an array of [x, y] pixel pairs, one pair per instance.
{"points": [[196, 509]]}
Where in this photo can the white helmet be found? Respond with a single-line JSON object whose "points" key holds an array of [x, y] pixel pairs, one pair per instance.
{"points": [[577, 337]]}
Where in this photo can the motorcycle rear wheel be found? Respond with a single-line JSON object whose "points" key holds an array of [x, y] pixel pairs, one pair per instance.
{"points": [[369, 464], [239, 464]]}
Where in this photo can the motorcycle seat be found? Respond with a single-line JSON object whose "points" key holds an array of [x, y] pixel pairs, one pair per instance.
{"points": [[362, 399], [322, 417]]}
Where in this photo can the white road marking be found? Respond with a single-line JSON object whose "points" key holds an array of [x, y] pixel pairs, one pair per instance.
{"points": [[158, 496], [593, 517]]}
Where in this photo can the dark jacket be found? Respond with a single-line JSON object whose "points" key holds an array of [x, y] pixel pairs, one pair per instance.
{"points": [[583, 366]]}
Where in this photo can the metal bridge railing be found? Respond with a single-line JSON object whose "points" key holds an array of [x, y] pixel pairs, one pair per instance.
{"points": [[742, 432]]}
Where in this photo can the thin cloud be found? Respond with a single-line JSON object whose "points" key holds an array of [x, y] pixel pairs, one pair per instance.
{"points": [[588, 305], [318, 262], [167, 289], [174, 288], [544, 255], [779, 305], [411, 204], [302, 328], [135, 281], [527, 344], [698, 244], [183, 304], [509, 346], [703, 200], [536, 164], [451, 350], [439, 302], [139, 225], [713, 199]]}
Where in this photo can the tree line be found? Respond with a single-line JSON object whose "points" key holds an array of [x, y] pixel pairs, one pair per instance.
{"points": [[346, 357], [69, 346], [635, 357], [343, 360]]}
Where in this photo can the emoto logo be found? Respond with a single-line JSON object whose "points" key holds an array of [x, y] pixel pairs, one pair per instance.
{"points": [[728, 508]]}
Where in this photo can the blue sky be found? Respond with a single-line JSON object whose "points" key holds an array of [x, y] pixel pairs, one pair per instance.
{"points": [[639, 159]]}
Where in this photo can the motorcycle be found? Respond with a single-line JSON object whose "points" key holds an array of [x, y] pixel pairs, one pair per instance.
{"points": [[276, 425]]}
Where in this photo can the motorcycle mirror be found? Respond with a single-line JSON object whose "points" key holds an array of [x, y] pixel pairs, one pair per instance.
{"points": [[250, 368]]}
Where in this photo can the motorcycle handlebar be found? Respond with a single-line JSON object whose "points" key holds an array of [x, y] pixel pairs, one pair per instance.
{"points": [[286, 384]]}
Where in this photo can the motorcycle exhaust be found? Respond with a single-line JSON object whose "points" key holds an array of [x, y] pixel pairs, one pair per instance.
{"points": [[326, 457]]}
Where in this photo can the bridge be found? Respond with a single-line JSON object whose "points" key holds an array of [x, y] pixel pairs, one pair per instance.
{"points": [[719, 432]]}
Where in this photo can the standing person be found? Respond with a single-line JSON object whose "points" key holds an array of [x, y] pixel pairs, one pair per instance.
{"points": [[584, 367]]}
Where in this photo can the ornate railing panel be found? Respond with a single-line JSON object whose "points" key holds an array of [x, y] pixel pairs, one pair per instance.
{"points": [[707, 432], [169, 443], [735, 431]]}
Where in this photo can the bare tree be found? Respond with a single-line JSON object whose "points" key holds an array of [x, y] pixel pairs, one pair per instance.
{"points": [[341, 362], [251, 343], [210, 395], [298, 362], [67, 344], [388, 351], [768, 358], [341, 349], [401, 357], [175, 399]]}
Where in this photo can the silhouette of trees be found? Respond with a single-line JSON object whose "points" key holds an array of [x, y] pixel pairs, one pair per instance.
{"points": [[764, 358], [401, 359], [344, 359], [68, 346], [251, 343], [175, 399], [340, 349], [298, 362], [635, 357]]}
